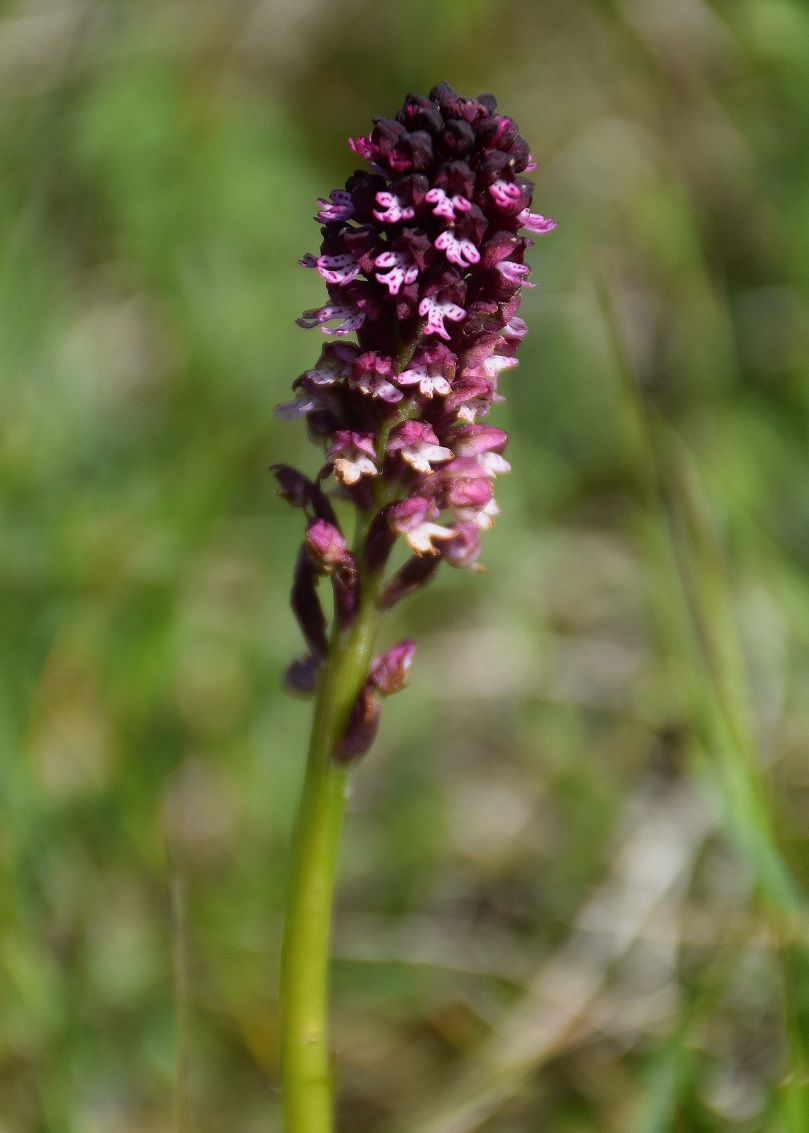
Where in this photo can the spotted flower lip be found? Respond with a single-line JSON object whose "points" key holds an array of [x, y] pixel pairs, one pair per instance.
{"points": [[371, 374], [338, 269], [400, 270], [458, 251], [437, 312], [448, 207], [430, 380], [393, 208], [423, 260]]}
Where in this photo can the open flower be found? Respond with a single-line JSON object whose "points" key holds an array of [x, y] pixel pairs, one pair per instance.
{"points": [[413, 519], [416, 443], [352, 455], [430, 369], [371, 374]]}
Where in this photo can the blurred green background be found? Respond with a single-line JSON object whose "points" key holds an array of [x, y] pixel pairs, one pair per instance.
{"points": [[574, 862]]}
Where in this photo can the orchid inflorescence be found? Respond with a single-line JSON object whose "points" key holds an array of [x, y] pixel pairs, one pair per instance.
{"points": [[423, 259]]}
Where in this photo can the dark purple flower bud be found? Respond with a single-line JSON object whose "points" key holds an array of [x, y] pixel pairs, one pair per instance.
{"points": [[415, 573], [484, 315], [380, 541], [413, 153], [386, 134], [363, 187], [520, 155], [419, 113], [505, 134], [361, 729], [457, 139], [306, 604], [495, 166], [293, 486], [454, 105], [389, 670], [446, 98], [345, 584], [322, 424], [414, 188], [455, 180], [471, 226], [300, 491], [503, 245], [301, 677]]}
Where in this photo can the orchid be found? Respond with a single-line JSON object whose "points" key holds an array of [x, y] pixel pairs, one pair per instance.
{"points": [[422, 257]]}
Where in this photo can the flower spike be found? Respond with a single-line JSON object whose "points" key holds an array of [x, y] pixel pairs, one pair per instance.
{"points": [[423, 260]]}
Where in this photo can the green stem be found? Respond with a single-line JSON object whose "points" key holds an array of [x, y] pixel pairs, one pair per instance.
{"points": [[305, 1058]]}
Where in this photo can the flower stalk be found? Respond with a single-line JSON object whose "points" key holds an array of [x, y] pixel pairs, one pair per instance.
{"points": [[423, 259], [307, 1085]]}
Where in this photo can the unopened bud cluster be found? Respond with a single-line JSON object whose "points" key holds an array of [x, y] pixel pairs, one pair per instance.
{"points": [[423, 261]]}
